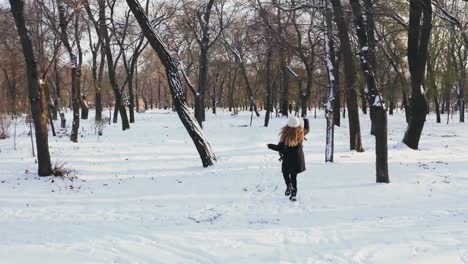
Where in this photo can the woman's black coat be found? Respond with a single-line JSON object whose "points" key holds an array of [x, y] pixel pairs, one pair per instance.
{"points": [[292, 157]]}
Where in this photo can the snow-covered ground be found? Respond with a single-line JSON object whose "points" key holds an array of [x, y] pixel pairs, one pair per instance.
{"points": [[142, 196]]}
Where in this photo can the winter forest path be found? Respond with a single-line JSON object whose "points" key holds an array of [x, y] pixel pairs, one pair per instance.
{"points": [[143, 197]]}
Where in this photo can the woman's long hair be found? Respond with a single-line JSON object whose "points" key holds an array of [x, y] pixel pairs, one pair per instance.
{"points": [[291, 136]]}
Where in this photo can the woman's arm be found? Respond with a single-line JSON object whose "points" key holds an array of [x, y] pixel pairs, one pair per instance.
{"points": [[273, 147], [279, 147], [306, 126]]}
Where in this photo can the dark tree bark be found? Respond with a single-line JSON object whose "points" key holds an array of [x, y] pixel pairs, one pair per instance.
{"points": [[12, 85], [81, 98], [431, 82], [131, 65], [363, 102], [392, 106], [202, 84], [97, 72], [97, 90], [285, 77], [350, 78], [74, 72], [373, 96], [232, 85], [203, 147], [454, 21], [437, 108], [405, 103], [104, 36], [368, 22], [56, 84], [49, 109], [202, 23], [461, 101], [284, 84], [36, 90], [268, 104], [419, 32], [215, 98], [336, 103]]}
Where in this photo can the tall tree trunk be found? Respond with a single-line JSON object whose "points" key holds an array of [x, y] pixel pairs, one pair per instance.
{"points": [[405, 103], [36, 90], [437, 109], [98, 99], [49, 109], [104, 34], [337, 93], [97, 75], [363, 102], [373, 96], [159, 94], [232, 87], [392, 106], [204, 149], [74, 72], [213, 98], [131, 94], [137, 91], [202, 83], [285, 87], [115, 115], [329, 107], [268, 84], [350, 78], [431, 82], [418, 40], [137, 101], [305, 95], [56, 90], [461, 100], [82, 98]]}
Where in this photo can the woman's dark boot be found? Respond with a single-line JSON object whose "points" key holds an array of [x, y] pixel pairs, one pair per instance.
{"points": [[293, 195], [288, 190]]}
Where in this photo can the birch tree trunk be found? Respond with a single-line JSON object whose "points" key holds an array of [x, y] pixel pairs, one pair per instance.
{"points": [[329, 107]]}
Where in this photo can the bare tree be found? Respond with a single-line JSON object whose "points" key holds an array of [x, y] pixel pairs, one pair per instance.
{"points": [[350, 78], [75, 73], [104, 35], [200, 22], [419, 32], [203, 147], [372, 93], [36, 89]]}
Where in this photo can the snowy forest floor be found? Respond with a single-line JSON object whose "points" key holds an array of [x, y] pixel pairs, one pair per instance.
{"points": [[142, 196]]}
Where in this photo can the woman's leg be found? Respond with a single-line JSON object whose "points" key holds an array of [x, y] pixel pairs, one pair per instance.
{"points": [[294, 187], [287, 180], [294, 180]]}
